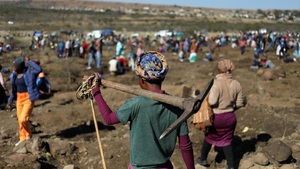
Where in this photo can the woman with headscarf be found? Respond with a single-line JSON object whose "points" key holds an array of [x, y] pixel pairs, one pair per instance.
{"points": [[149, 118], [225, 97], [25, 92]]}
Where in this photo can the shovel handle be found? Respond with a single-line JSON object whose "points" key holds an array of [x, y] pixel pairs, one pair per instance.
{"points": [[172, 100]]}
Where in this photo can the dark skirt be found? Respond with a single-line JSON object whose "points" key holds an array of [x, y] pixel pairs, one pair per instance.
{"points": [[221, 133]]}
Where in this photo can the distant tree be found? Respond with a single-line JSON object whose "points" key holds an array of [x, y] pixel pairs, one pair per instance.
{"points": [[172, 16], [296, 13], [259, 11], [277, 13]]}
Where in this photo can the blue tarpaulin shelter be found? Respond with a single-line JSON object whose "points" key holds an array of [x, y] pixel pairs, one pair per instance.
{"points": [[107, 32], [38, 33]]}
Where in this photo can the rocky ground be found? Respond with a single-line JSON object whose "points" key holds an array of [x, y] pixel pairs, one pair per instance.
{"points": [[267, 134]]}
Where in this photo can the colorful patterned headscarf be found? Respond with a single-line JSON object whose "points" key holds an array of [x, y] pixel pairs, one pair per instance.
{"points": [[226, 66], [151, 66]]}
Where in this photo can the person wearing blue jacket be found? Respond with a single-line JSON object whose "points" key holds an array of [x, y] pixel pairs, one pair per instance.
{"points": [[256, 59], [25, 92], [61, 47]]}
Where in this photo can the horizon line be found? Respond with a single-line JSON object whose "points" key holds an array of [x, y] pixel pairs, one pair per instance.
{"points": [[163, 4]]}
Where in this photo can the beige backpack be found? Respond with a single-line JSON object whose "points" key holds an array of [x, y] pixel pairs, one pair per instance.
{"points": [[203, 119]]}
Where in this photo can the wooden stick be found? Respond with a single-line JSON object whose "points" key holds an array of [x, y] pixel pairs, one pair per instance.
{"points": [[98, 135], [172, 100]]}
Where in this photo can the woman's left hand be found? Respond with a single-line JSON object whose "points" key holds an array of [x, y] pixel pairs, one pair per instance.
{"points": [[94, 80]]}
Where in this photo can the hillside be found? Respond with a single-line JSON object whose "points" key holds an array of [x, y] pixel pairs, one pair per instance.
{"points": [[83, 15]]}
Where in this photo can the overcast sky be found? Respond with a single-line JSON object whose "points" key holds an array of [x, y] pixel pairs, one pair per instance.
{"points": [[228, 4]]}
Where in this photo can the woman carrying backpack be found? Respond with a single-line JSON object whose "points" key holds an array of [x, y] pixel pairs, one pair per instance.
{"points": [[225, 97]]}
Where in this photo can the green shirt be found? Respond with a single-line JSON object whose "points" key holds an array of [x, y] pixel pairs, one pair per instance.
{"points": [[148, 120], [193, 57]]}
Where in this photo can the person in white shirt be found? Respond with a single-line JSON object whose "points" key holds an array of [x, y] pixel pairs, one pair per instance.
{"points": [[43, 41], [181, 56], [113, 66], [67, 47]]}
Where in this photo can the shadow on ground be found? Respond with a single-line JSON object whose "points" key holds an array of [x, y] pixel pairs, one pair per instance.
{"points": [[82, 129], [242, 147]]}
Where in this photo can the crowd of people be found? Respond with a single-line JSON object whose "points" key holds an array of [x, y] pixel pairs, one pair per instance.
{"points": [[263, 43], [188, 49], [149, 118], [198, 46]]}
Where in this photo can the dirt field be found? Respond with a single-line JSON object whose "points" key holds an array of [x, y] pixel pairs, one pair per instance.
{"points": [[65, 129]]}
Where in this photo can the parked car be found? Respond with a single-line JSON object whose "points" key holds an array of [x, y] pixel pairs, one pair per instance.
{"points": [[96, 34], [263, 31], [163, 33], [135, 35]]}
